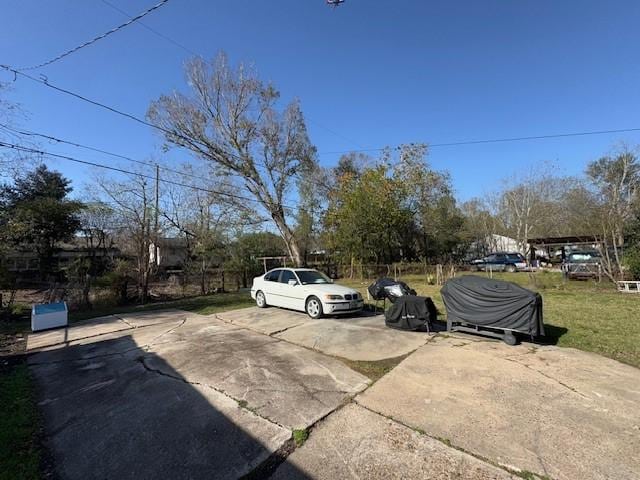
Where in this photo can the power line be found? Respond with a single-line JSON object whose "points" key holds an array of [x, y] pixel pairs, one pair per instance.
{"points": [[498, 140], [99, 150], [195, 54], [339, 135], [99, 37], [130, 116], [12, 131], [152, 30], [128, 172], [46, 83]]}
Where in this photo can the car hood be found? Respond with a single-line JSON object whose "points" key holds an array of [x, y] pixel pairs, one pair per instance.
{"points": [[329, 288]]}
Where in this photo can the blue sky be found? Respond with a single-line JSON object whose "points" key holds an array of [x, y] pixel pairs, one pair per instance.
{"points": [[370, 73]]}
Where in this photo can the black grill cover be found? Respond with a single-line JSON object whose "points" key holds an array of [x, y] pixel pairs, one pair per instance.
{"points": [[493, 303], [388, 288], [410, 313]]}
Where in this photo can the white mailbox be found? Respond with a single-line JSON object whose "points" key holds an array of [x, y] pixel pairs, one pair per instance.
{"points": [[48, 315]]}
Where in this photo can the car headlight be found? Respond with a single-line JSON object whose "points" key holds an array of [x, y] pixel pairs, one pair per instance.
{"points": [[334, 297]]}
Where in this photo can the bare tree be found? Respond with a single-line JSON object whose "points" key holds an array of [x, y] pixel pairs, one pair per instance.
{"points": [[96, 230], [231, 120], [203, 217], [617, 182], [12, 162], [132, 202], [528, 202], [98, 225], [480, 227]]}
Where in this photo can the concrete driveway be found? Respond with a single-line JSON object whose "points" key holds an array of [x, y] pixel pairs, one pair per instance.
{"points": [[362, 337], [176, 395]]}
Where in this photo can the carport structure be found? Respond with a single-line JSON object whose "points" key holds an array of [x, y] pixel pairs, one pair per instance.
{"points": [[549, 243]]}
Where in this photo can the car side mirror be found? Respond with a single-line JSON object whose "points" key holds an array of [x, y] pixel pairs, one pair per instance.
{"points": [[292, 282]]}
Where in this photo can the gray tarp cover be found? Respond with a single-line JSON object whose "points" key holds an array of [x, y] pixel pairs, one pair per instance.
{"points": [[493, 303]]}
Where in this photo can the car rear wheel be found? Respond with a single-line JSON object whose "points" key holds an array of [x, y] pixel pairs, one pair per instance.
{"points": [[314, 307], [261, 301]]}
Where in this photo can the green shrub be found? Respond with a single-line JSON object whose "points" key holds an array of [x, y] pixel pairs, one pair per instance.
{"points": [[20, 309], [632, 262]]}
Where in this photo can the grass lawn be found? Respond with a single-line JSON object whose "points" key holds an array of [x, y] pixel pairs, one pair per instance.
{"points": [[20, 452], [580, 314], [204, 305]]}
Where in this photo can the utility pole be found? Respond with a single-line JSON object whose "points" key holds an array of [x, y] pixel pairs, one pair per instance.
{"points": [[156, 247]]}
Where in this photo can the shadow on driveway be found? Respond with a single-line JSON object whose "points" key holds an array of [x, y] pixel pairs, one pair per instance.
{"points": [[108, 414]]}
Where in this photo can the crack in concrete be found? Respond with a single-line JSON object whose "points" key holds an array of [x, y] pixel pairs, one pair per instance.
{"points": [[245, 327], [285, 329], [147, 367], [67, 342], [559, 382], [447, 443], [125, 321], [531, 351], [144, 347], [268, 466], [83, 359], [171, 330]]}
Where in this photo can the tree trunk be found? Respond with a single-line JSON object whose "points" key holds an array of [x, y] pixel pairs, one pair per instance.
{"points": [[293, 247], [86, 290], [203, 290]]}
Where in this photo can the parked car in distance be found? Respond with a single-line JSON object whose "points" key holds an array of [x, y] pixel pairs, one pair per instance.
{"points": [[305, 290], [582, 265], [501, 262]]}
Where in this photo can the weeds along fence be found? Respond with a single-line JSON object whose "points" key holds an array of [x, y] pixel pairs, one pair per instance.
{"points": [[433, 274], [225, 280], [170, 285]]}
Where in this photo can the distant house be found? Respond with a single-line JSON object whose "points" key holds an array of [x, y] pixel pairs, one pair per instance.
{"points": [[501, 243], [493, 243], [27, 261], [171, 253]]}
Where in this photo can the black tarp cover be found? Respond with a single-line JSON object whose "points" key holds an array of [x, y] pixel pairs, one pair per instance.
{"points": [[410, 312], [493, 303]]}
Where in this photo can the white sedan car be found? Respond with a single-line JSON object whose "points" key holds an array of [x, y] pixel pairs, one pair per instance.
{"points": [[306, 290]]}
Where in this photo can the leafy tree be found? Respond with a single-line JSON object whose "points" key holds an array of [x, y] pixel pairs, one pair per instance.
{"points": [[244, 251], [231, 120], [351, 164], [367, 217], [36, 213], [437, 219], [312, 190]]}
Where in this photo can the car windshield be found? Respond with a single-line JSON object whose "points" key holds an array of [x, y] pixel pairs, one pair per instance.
{"points": [[312, 277]]}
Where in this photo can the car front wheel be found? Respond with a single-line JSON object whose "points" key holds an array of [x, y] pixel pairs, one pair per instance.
{"points": [[261, 301], [314, 307], [511, 268]]}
